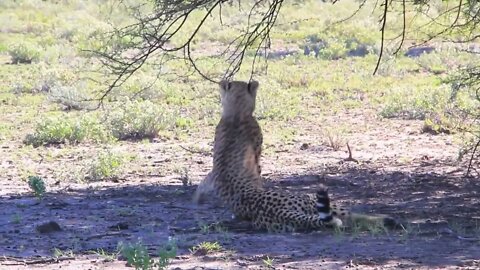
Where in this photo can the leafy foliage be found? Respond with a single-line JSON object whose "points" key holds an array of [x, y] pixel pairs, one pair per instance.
{"points": [[24, 52], [136, 119], [37, 185]]}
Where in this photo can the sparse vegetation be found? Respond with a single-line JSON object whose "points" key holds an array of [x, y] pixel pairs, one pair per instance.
{"points": [[37, 185], [59, 253], [107, 256], [136, 119], [268, 262], [206, 248], [62, 129], [106, 166], [69, 97], [24, 52], [137, 255], [317, 88], [16, 219], [334, 138]]}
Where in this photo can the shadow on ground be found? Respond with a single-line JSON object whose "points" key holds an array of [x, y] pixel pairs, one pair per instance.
{"points": [[444, 212]]}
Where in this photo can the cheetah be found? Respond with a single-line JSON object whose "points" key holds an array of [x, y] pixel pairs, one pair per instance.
{"points": [[235, 176], [254, 140]]}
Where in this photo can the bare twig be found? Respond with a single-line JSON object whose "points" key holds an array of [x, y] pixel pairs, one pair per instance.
{"points": [[152, 34], [350, 158], [163, 32], [472, 157], [204, 153], [7, 260], [384, 23], [404, 26]]}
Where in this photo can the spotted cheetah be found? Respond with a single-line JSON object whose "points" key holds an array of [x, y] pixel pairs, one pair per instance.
{"points": [[236, 179], [254, 140]]}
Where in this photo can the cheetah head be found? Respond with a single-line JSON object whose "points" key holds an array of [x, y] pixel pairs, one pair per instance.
{"points": [[238, 98]]}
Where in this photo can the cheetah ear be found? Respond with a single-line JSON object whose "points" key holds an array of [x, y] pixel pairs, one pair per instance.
{"points": [[252, 88], [224, 85]]}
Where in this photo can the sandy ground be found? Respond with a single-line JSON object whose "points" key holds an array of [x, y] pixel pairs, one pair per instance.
{"points": [[412, 176]]}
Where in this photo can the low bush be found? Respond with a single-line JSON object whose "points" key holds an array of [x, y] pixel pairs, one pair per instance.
{"points": [[24, 52], [60, 130], [136, 119]]}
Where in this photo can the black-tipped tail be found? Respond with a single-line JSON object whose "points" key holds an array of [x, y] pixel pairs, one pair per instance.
{"points": [[323, 201]]}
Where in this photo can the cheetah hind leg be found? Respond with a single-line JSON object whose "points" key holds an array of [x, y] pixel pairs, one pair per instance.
{"points": [[301, 222]]}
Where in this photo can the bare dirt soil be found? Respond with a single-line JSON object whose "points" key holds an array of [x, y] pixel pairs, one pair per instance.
{"points": [[401, 172]]}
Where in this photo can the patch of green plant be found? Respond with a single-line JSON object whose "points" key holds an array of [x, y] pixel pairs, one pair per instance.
{"points": [[415, 103], [60, 130], [69, 97], [107, 166], [166, 253], [37, 185], [438, 123], [268, 262], [183, 122], [58, 253], [136, 119], [340, 41], [137, 255], [373, 227], [3, 48], [16, 219], [206, 248], [107, 256], [432, 62], [143, 85], [49, 78], [267, 105], [24, 52]]}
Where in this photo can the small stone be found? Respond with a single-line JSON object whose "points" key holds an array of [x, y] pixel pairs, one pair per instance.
{"points": [[304, 146], [119, 226], [48, 227]]}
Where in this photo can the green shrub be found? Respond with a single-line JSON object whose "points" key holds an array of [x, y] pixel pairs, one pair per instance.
{"points": [[24, 52], [139, 119], [107, 166], [432, 62], [37, 185], [60, 130], [55, 131], [138, 257], [267, 105], [415, 103], [69, 97], [436, 124], [183, 123], [333, 51]]}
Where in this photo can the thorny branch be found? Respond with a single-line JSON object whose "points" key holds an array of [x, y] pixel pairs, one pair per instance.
{"points": [[470, 78], [164, 32], [384, 23]]}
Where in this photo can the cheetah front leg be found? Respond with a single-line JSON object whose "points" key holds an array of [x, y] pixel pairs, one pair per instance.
{"points": [[205, 187]]}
